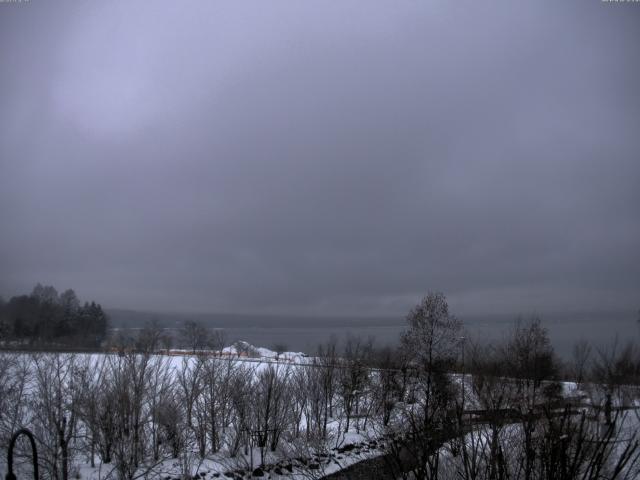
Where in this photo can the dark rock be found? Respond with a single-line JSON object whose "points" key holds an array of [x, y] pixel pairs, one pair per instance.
{"points": [[346, 448], [314, 466], [258, 472]]}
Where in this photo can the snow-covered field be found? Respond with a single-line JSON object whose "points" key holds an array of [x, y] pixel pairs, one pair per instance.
{"points": [[241, 412], [91, 389]]}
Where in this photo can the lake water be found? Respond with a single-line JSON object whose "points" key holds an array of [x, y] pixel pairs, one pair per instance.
{"points": [[601, 330], [305, 333]]}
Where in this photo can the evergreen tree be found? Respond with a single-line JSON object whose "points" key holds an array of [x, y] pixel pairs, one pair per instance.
{"points": [[45, 316]]}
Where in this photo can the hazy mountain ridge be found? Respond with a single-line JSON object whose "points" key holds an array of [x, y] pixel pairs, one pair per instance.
{"points": [[124, 318]]}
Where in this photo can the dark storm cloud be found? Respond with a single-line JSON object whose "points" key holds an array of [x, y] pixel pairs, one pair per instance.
{"points": [[322, 157]]}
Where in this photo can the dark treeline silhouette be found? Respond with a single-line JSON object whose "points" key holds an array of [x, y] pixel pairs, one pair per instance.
{"points": [[46, 318]]}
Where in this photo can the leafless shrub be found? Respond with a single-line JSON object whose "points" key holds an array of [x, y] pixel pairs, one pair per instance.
{"points": [[58, 382], [15, 370]]}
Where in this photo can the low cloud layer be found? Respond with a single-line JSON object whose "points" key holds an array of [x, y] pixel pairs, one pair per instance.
{"points": [[322, 157]]}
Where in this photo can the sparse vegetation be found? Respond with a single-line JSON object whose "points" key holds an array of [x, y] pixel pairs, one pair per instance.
{"points": [[440, 406]]}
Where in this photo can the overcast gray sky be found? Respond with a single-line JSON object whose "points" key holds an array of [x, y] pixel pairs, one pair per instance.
{"points": [[329, 157]]}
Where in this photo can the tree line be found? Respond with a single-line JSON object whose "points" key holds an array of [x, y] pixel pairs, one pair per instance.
{"points": [[438, 406], [508, 411], [45, 317]]}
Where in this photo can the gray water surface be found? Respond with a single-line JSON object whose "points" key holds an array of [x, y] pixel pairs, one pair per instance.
{"points": [[304, 334]]}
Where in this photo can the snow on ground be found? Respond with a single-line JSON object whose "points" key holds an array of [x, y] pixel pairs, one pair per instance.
{"points": [[276, 466], [246, 350], [342, 449]]}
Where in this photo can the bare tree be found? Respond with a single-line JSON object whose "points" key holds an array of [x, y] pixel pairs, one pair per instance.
{"points": [[302, 391], [169, 418], [328, 360], [15, 374], [217, 377], [129, 387], [532, 362], [196, 336], [432, 344], [353, 376], [581, 355], [190, 388], [616, 376], [242, 389], [310, 395], [92, 407], [160, 389], [271, 408], [480, 446], [59, 379], [386, 381], [152, 337]]}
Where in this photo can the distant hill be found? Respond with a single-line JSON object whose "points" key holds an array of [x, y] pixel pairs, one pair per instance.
{"points": [[120, 318]]}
